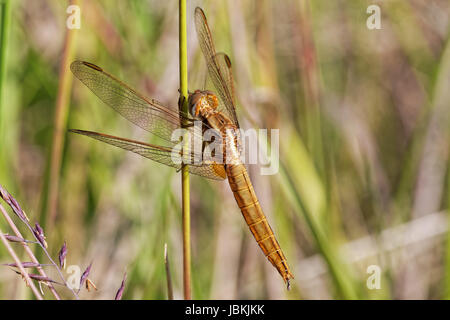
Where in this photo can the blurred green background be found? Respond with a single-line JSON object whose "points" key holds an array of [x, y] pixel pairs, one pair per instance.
{"points": [[364, 147]]}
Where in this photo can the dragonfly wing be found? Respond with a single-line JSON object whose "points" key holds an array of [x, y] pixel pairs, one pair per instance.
{"points": [[218, 71], [164, 155], [146, 113], [224, 65]]}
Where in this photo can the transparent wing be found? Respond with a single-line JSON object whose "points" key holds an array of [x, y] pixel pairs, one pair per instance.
{"points": [[224, 64], [219, 65], [160, 154], [148, 114]]}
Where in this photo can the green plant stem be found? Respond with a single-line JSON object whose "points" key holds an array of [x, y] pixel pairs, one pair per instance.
{"points": [[185, 170], [4, 34]]}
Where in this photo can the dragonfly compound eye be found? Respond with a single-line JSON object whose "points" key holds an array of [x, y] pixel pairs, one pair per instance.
{"points": [[195, 109], [194, 99]]}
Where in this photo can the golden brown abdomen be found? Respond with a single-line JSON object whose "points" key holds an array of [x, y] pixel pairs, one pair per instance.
{"points": [[256, 220]]}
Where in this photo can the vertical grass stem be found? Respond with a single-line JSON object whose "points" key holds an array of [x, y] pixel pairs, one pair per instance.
{"points": [[185, 170]]}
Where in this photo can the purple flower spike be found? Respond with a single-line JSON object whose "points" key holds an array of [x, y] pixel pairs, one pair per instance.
{"points": [[14, 238], [62, 256], [24, 264], [122, 286], [39, 233], [85, 275], [13, 204], [39, 277]]}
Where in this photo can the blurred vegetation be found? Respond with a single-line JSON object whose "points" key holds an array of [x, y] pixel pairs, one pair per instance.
{"points": [[364, 147]]}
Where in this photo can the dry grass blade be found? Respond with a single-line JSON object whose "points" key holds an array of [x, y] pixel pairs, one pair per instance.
{"points": [[60, 123], [38, 234], [19, 265], [27, 248]]}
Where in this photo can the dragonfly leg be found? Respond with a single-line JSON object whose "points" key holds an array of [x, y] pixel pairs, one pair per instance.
{"points": [[181, 100]]}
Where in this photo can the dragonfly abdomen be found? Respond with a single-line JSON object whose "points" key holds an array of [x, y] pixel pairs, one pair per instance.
{"points": [[247, 201]]}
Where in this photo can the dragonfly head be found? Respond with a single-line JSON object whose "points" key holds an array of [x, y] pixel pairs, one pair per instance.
{"points": [[199, 100]]}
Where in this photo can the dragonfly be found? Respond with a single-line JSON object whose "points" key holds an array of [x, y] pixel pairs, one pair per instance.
{"points": [[215, 112]]}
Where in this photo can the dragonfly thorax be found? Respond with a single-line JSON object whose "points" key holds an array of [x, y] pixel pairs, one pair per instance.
{"points": [[202, 103]]}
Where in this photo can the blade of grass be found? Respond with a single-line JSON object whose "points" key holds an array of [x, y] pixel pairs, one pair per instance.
{"points": [[4, 35], [60, 125], [306, 193], [169, 278], [446, 293], [184, 170], [439, 123]]}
